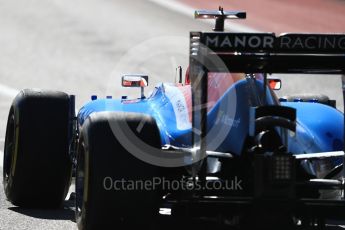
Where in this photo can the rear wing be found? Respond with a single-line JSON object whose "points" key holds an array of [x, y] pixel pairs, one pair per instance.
{"points": [[268, 53], [257, 53]]}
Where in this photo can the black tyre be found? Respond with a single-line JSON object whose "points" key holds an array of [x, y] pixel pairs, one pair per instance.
{"points": [[101, 157], [37, 167]]}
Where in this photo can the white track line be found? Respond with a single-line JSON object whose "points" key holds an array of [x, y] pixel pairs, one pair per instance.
{"points": [[8, 91], [1, 159], [189, 11]]}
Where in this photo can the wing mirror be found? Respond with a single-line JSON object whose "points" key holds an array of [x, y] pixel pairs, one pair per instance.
{"points": [[275, 84], [135, 81]]}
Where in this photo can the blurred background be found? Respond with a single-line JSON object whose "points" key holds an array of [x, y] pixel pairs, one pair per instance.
{"points": [[83, 46], [307, 16]]}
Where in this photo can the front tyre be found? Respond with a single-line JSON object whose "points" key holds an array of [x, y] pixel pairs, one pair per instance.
{"points": [[37, 167]]}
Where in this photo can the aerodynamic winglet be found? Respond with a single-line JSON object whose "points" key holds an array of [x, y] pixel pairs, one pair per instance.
{"points": [[219, 15]]}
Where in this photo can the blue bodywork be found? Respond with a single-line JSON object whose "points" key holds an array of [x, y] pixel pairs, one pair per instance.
{"points": [[319, 128]]}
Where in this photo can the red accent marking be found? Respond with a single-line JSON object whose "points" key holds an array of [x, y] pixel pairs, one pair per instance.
{"points": [[218, 84]]}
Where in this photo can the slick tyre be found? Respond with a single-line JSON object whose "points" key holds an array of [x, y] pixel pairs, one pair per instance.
{"points": [[103, 163], [37, 167]]}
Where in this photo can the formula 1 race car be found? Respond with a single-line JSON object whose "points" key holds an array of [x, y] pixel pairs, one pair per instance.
{"points": [[223, 147]]}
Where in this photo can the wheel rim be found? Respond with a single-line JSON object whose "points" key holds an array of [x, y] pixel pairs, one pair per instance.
{"points": [[9, 149], [79, 183]]}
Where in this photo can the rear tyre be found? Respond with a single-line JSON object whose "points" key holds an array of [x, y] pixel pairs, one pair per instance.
{"points": [[320, 98], [37, 167], [103, 201]]}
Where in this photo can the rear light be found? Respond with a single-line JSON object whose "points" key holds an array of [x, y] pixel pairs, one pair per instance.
{"points": [[275, 176], [282, 167]]}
